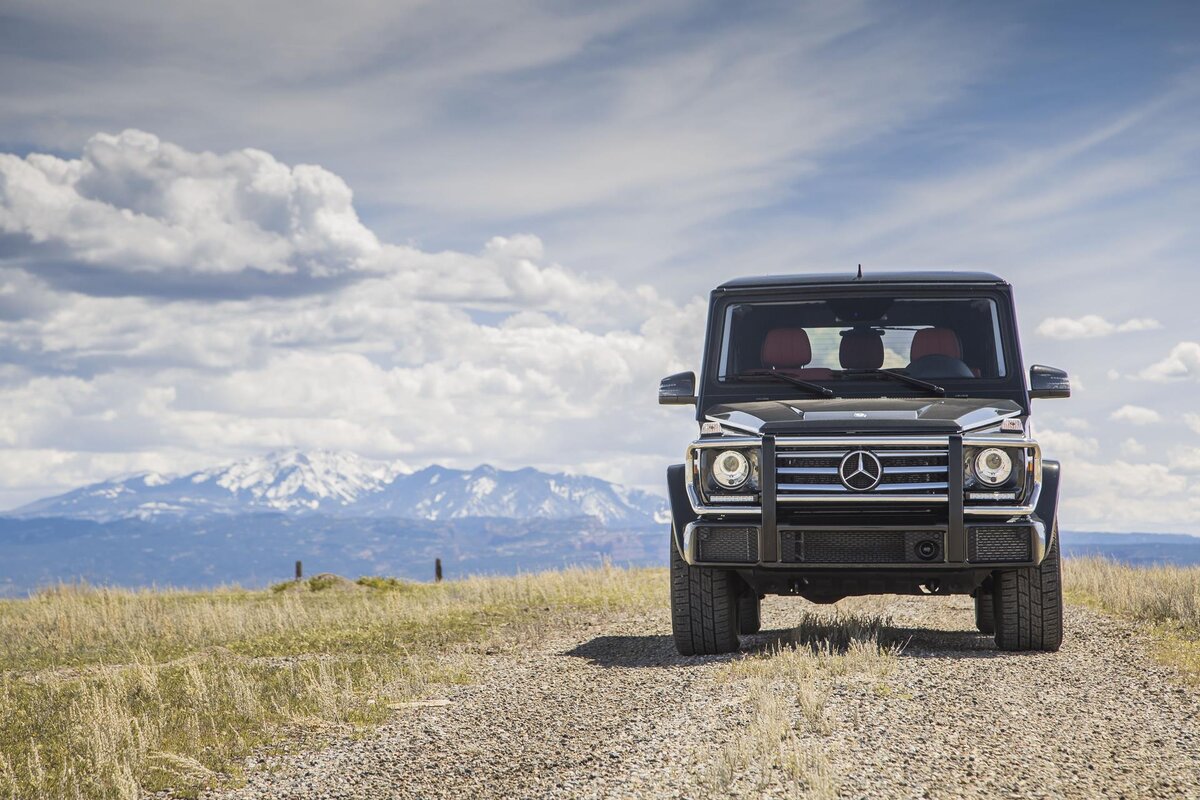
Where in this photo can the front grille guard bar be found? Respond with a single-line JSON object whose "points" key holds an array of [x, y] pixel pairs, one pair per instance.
{"points": [[1033, 462]]}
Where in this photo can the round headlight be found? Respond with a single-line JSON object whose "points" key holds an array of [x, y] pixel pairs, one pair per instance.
{"points": [[993, 466], [730, 469]]}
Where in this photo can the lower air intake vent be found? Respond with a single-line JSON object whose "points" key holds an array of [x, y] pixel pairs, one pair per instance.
{"points": [[861, 547], [728, 545], [1007, 543]]}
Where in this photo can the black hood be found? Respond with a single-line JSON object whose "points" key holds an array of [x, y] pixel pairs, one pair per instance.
{"points": [[864, 416]]}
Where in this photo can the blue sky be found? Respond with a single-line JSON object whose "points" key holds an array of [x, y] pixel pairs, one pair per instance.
{"points": [[467, 232]]}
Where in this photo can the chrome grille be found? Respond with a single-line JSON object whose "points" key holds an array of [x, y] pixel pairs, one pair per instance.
{"points": [[813, 472]]}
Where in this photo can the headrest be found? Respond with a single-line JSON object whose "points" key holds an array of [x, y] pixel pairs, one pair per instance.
{"points": [[786, 347], [861, 349], [935, 342]]}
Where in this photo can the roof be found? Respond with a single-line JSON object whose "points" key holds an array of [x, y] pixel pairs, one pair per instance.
{"points": [[849, 277]]}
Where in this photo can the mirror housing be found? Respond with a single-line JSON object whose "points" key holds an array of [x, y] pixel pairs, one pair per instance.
{"points": [[1048, 382], [677, 390]]}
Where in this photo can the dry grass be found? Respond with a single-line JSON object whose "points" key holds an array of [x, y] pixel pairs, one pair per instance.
{"points": [[781, 750], [1166, 599], [107, 693], [1160, 594]]}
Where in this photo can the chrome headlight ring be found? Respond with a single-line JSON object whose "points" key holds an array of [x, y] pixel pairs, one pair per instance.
{"points": [[730, 469], [992, 466]]}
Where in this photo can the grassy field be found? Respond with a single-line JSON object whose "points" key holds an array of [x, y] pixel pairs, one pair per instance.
{"points": [[1166, 599], [107, 693]]}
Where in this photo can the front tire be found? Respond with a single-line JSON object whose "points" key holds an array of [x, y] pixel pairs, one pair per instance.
{"points": [[704, 607], [1029, 604]]}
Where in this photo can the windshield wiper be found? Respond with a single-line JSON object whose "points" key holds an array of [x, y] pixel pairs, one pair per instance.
{"points": [[900, 376], [815, 388]]}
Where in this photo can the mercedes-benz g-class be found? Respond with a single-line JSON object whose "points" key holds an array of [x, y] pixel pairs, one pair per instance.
{"points": [[864, 435]]}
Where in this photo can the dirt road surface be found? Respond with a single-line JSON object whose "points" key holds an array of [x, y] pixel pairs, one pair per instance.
{"points": [[606, 709]]}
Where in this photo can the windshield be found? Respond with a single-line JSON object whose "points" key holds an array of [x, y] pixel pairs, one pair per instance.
{"points": [[840, 339]]}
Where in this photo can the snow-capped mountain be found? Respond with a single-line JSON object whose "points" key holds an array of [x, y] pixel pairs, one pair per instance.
{"points": [[440, 493], [344, 484]]}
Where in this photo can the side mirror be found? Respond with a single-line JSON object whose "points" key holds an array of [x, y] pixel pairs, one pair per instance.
{"points": [[677, 390], [1048, 382]]}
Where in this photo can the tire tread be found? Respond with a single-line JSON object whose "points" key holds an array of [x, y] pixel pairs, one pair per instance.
{"points": [[1029, 604], [704, 612]]}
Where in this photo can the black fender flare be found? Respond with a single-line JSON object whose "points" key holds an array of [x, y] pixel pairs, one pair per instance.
{"points": [[1047, 503], [681, 507]]}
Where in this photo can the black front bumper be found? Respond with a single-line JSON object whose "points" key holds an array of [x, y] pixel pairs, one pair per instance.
{"points": [[744, 543]]}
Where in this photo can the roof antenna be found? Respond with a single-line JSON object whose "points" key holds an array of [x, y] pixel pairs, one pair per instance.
{"points": [[859, 278]]}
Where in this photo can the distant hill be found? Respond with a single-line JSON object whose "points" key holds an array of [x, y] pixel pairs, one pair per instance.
{"points": [[1134, 548]]}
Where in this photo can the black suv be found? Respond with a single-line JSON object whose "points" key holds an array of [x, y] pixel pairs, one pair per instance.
{"points": [[864, 435]]}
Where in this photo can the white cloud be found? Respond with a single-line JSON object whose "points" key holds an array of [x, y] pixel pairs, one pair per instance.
{"points": [[1193, 421], [1124, 480], [1183, 362], [1152, 497], [1056, 444], [1132, 448], [1136, 415], [1185, 459], [132, 203], [1091, 326]]}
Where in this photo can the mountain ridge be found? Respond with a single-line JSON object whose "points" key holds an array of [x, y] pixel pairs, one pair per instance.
{"points": [[340, 483]]}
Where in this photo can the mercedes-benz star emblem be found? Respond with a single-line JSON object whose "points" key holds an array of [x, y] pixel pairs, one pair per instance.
{"points": [[860, 471]]}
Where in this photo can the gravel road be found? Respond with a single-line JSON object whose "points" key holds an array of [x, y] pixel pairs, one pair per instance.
{"points": [[608, 710]]}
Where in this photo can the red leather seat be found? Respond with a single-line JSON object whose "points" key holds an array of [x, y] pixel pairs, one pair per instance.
{"points": [[789, 350], [935, 342], [861, 349]]}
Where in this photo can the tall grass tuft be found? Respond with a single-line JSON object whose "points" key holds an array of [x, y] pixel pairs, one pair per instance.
{"points": [[787, 687]]}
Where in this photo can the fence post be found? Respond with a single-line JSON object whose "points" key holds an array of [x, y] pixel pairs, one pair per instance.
{"points": [[299, 570], [437, 569]]}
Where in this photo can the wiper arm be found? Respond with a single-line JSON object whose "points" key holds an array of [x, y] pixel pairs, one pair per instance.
{"points": [[815, 388], [900, 376]]}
